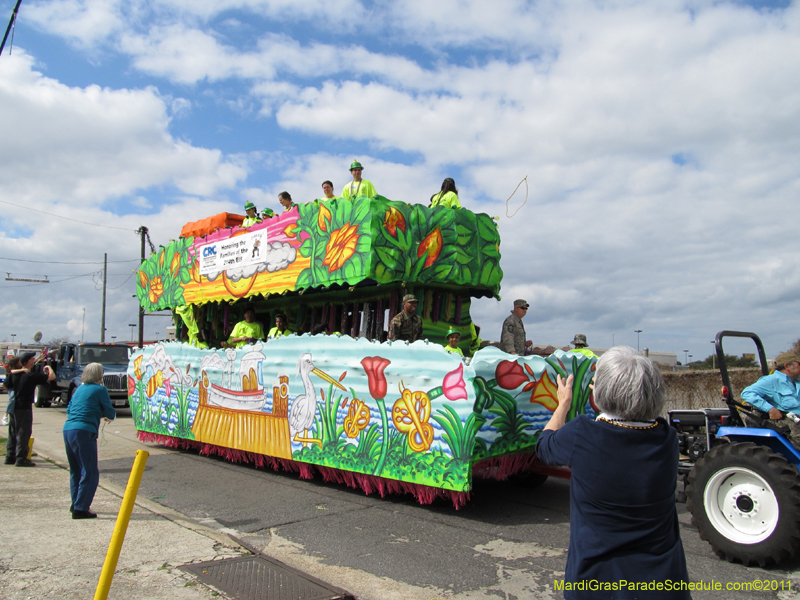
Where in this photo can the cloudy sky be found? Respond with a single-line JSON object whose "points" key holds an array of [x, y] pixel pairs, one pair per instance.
{"points": [[659, 142]]}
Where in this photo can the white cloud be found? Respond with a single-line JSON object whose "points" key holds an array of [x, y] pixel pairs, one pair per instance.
{"points": [[94, 143], [597, 103]]}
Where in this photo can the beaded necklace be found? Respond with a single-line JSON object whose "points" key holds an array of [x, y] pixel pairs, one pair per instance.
{"points": [[627, 424]]}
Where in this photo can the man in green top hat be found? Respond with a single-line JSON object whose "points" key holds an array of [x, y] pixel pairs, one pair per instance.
{"points": [[453, 337], [358, 187], [407, 324], [252, 215]]}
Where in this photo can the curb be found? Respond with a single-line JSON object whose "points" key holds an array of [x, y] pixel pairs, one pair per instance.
{"points": [[164, 512]]}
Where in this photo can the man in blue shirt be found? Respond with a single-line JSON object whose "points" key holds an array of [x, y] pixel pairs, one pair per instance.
{"points": [[779, 393]]}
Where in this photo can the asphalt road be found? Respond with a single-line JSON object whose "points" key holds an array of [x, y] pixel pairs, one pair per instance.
{"points": [[508, 542]]}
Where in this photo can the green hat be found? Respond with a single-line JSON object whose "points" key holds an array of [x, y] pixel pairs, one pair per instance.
{"points": [[356, 165], [453, 330], [249, 205]]}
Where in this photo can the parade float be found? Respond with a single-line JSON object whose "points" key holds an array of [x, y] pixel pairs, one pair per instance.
{"points": [[344, 404]]}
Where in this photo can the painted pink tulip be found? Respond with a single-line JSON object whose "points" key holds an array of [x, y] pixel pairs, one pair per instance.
{"points": [[454, 386]]}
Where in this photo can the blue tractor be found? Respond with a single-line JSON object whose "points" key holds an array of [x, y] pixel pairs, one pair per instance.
{"points": [[741, 475]]}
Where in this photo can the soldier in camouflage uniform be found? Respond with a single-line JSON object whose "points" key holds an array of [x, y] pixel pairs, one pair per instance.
{"points": [[512, 339], [406, 325]]}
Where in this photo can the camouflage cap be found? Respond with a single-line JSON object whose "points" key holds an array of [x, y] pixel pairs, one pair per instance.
{"points": [[521, 303], [785, 358], [409, 298]]}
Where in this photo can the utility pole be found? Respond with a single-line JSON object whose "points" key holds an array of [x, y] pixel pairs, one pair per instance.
{"points": [[143, 233], [103, 313], [83, 324], [11, 25]]}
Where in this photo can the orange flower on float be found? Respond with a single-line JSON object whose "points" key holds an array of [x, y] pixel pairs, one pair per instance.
{"points": [[433, 244], [341, 247], [143, 280], [137, 366], [175, 264], [155, 291], [393, 221], [323, 214], [161, 259], [545, 392]]}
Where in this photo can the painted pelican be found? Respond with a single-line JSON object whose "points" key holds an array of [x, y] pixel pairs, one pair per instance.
{"points": [[304, 407]]}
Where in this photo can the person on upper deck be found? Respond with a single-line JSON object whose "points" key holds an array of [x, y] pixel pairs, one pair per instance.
{"points": [[247, 331], [286, 201], [252, 215], [512, 338], [280, 327], [358, 187], [327, 190], [581, 346], [448, 196], [453, 337], [407, 324]]}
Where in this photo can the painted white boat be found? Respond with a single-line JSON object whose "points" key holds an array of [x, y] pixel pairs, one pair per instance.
{"points": [[236, 400]]}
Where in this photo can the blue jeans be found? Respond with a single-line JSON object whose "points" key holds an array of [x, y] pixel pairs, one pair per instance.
{"points": [[84, 475]]}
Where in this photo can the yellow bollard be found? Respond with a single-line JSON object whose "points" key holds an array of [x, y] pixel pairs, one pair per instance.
{"points": [[30, 447], [114, 548]]}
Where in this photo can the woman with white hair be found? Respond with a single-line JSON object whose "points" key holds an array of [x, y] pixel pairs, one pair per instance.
{"points": [[89, 404], [623, 520]]}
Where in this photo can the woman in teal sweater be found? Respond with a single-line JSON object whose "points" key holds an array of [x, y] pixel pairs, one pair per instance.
{"points": [[89, 404]]}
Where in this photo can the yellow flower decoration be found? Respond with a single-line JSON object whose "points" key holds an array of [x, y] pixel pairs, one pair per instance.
{"points": [[341, 247], [322, 215], [175, 264], [545, 392], [410, 415], [137, 367], [156, 381], [394, 220], [155, 290], [433, 244], [357, 418]]}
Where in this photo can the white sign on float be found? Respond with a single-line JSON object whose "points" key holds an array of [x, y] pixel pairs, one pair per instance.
{"points": [[236, 252]]}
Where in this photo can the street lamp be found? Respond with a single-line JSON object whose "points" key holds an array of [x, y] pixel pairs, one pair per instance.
{"points": [[714, 356], [637, 332], [612, 340], [131, 325], [13, 335], [686, 357], [113, 337], [690, 357]]}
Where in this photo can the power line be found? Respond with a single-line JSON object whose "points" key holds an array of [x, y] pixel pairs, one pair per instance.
{"points": [[53, 262], [14, 287], [123, 283], [67, 218]]}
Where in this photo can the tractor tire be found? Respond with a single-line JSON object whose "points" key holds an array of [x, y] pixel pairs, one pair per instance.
{"points": [[41, 396], [745, 502]]}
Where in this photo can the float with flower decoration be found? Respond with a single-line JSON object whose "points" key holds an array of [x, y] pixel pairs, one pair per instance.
{"points": [[346, 405]]}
